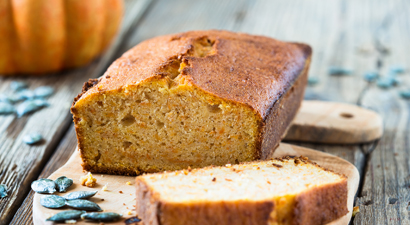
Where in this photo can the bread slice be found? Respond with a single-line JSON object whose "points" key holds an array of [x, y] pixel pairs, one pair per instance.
{"points": [[280, 191], [190, 100]]}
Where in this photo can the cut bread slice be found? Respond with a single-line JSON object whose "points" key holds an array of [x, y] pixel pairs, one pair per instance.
{"points": [[280, 191]]}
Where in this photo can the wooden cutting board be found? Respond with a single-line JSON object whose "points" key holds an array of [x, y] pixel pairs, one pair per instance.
{"points": [[120, 197], [334, 123]]}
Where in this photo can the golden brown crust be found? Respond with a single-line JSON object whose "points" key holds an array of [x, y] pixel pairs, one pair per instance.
{"points": [[252, 70], [155, 212], [316, 206], [210, 213], [147, 203], [86, 86], [321, 205], [281, 115]]}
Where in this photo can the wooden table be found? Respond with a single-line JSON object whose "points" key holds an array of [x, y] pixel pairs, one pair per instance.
{"points": [[362, 35]]}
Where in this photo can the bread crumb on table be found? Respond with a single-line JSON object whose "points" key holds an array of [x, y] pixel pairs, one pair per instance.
{"points": [[356, 210], [88, 180], [104, 188]]}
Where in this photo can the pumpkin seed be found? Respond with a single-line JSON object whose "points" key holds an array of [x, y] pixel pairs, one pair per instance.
{"points": [[313, 80], [26, 94], [132, 220], [83, 204], [5, 98], [44, 186], [43, 91], [3, 191], [101, 217], [336, 70], [66, 215], [26, 107], [385, 82], [15, 98], [52, 201], [40, 102], [397, 69], [32, 138], [18, 85], [405, 94], [63, 183], [6, 108], [396, 81], [80, 195], [371, 76]]}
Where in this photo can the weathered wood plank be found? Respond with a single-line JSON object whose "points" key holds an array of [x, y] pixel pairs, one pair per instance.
{"points": [[20, 164], [386, 190]]}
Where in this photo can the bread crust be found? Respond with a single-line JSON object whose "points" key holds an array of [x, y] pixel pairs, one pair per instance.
{"points": [[273, 129], [321, 205], [260, 69], [156, 212], [266, 75], [315, 206]]}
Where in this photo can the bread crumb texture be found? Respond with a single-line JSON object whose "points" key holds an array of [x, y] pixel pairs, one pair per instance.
{"points": [[188, 100], [289, 191], [88, 180]]}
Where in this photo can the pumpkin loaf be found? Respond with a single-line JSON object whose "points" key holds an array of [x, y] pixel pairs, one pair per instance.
{"points": [[192, 99], [281, 191]]}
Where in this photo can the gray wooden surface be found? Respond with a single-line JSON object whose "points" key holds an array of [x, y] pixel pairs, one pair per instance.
{"points": [[353, 34]]}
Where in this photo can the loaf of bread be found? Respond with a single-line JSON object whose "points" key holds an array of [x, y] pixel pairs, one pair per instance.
{"points": [[281, 191], [190, 100]]}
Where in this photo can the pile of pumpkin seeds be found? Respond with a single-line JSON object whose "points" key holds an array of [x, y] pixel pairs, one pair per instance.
{"points": [[48, 186], [76, 200], [22, 101], [387, 81]]}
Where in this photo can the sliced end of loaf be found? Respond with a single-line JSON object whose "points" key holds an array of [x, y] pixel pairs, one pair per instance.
{"points": [[281, 191], [163, 123]]}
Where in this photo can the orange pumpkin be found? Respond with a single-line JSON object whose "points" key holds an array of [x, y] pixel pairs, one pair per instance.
{"points": [[42, 36]]}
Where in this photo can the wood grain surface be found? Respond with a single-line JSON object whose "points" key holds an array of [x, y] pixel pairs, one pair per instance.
{"points": [[117, 197], [334, 123], [361, 35]]}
